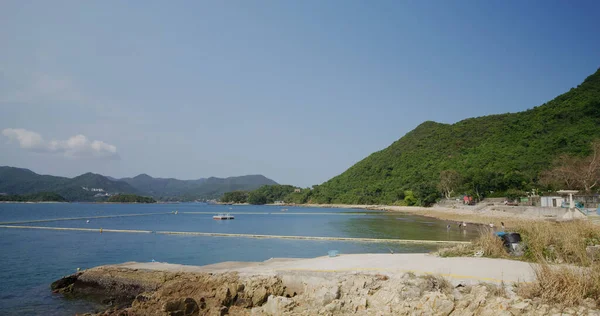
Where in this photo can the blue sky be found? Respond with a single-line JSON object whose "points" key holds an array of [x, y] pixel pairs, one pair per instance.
{"points": [[295, 90]]}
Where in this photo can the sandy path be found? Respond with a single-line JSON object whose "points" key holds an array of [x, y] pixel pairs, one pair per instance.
{"points": [[458, 269]]}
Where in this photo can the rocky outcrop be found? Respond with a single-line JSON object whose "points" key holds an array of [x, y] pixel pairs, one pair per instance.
{"points": [[145, 292]]}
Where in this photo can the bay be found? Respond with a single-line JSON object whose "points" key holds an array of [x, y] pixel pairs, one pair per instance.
{"points": [[32, 259]]}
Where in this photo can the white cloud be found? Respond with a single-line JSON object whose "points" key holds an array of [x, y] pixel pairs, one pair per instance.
{"points": [[76, 147]]}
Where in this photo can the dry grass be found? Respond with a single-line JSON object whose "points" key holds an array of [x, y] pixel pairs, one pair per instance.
{"points": [[562, 242], [565, 285], [548, 243], [487, 242], [496, 290], [436, 283]]}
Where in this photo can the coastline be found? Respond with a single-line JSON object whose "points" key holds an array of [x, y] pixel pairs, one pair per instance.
{"points": [[482, 214], [365, 284]]}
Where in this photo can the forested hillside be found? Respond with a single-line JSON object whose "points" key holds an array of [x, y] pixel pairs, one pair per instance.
{"points": [[205, 188], [487, 155], [24, 181], [35, 197], [96, 187]]}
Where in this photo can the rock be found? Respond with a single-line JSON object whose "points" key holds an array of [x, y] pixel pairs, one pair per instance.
{"points": [[326, 295], [435, 303], [276, 305], [477, 297], [181, 307], [334, 306], [259, 296], [519, 308], [410, 292], [223, 295], [65, 284], [141, 299], [223, 310], [359, 304]]}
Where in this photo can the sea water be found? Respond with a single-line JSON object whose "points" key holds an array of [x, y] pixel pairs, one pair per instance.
{"points": [[31, 259]]}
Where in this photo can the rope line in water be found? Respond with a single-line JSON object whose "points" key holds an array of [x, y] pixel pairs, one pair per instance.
{"points": [[354, 239], [165, 213], [80, 218], [288, 213]]}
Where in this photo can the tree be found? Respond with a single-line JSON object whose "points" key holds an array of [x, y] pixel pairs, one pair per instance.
{"points": [[582, 173], [235, 197], [257, 198], [449, 180], [409, 198]]}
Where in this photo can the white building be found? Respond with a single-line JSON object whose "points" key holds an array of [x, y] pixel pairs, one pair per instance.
{"points": [[552, 201]]}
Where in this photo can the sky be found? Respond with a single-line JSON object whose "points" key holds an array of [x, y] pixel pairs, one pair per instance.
{"points": [[298, 91]]}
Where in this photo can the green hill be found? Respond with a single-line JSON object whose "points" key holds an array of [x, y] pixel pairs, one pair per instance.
{"points": [[92, 187], [492, 153], [205, 188], [19, 181]]}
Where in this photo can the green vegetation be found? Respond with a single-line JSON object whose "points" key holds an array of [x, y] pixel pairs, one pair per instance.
{"points": [[130, 198], [268, 194], [81, 188], [483, 156], [235, 197], [190, 190], [24, 181], [35, 197]]}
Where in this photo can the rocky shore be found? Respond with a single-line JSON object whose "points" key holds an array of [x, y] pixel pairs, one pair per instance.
{"points": [[239, 289]]}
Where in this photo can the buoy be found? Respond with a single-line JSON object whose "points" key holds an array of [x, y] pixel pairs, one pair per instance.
{"points": [[78, 269], [87, 221], [100, 230]]}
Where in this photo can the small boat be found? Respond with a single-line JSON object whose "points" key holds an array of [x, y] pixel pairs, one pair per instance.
{"points": [[223, 216]]}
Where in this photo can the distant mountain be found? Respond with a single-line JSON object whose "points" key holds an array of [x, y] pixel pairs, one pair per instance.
{"points": [[204, 188], [91, 186], [86, 187], [486, 155]]}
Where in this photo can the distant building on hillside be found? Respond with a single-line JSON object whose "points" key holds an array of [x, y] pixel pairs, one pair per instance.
{"points": [[297, 190]]}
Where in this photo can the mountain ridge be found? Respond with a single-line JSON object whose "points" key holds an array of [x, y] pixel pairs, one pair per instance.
{"points": [[14, 180]]}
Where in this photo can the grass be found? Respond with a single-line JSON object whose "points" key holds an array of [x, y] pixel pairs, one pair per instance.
{"points": [[566, 285], [487, 242], [565, 274], [497, 290], [435, 283]]}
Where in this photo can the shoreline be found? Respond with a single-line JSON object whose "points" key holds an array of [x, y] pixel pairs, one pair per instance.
{"points": [[482, 214], [365, 284]]}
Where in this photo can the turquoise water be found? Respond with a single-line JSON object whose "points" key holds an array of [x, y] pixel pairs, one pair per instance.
{"points": [[32, 259]]}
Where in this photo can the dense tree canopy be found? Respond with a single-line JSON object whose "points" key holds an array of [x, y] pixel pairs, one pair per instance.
{"points": [[268, 194], [130, 198], [235, 197], [35, 197]]}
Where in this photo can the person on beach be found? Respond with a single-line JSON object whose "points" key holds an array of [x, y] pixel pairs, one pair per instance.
{"points": [[502, 223]]}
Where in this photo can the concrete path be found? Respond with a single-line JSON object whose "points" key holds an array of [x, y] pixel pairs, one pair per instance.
{"points": [[458, 269]]}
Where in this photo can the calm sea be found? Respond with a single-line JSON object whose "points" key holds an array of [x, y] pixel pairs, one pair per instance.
{"points": [[32, 259]]}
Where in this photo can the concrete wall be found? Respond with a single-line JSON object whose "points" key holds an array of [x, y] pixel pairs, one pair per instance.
{"points": [[550, 212]]}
